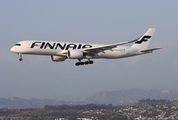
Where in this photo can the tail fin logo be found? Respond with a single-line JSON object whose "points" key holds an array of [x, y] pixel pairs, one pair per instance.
{"points": [[144, 39]]}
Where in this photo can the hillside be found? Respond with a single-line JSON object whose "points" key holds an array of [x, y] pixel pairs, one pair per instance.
{"points": [[119, 97]]}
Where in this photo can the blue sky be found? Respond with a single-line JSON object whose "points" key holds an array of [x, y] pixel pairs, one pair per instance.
{"points": [[89, 21]]}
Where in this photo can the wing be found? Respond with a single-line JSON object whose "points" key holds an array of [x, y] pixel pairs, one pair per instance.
{"points": [[95, 50], [106, 47]]}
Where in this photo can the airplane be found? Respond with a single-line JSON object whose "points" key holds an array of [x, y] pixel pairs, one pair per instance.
{"points": [[60, 51]]}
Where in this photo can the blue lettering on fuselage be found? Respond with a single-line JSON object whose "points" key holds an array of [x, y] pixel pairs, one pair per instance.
{"points": [[61, 46], [49, 45], [64, 46], [34, 44], [73, 46]]}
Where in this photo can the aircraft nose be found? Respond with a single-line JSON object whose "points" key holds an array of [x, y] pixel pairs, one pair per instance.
{"points": [[12, 49]]}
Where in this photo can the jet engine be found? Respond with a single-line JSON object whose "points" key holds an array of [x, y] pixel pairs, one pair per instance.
{"points": [[75, 54], [57, 58]]}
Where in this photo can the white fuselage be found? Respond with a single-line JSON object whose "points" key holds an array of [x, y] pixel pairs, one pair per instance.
{"points": [[58, 48]]}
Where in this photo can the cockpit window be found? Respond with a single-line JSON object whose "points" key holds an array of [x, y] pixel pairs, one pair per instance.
{"points": [[17, 44]]}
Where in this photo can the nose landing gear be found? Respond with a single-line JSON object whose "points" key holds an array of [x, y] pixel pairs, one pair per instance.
{"points": [[20, 55]]}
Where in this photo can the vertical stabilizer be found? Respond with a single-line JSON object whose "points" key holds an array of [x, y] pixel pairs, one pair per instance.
{"points": [[143, 42]]}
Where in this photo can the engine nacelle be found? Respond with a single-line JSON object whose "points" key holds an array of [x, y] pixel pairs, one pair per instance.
{"points": [[58, 58], [75, 54]]}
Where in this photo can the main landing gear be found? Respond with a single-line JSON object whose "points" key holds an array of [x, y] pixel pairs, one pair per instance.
{"points": [[20, 55], [84, 63]]}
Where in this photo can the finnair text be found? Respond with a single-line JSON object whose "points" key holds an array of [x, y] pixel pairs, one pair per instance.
{"points": [[62, 46]]}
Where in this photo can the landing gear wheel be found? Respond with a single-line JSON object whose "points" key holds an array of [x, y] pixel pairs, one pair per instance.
{"points": [[20, 59], [90, 62], [77, 64], [84, 63]]}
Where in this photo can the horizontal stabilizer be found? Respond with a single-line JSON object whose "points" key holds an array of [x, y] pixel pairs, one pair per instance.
{"points": [[150, 50]]}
